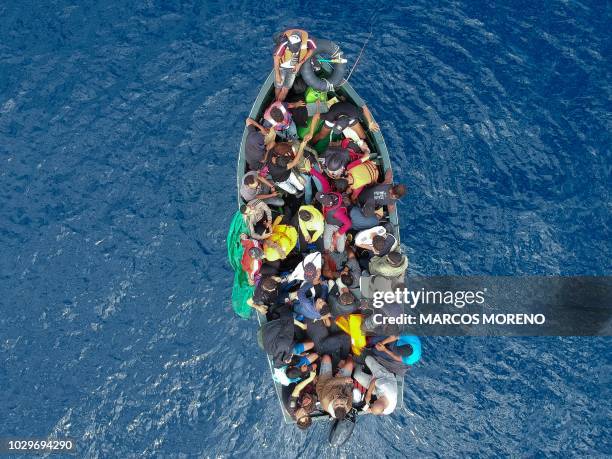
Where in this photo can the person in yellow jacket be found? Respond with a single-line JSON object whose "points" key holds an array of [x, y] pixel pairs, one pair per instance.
{"points": [[281, 242], [359, 174], [311, 223]]}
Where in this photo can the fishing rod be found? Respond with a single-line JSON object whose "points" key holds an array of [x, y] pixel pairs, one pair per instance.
{"points": [[364, 44]]}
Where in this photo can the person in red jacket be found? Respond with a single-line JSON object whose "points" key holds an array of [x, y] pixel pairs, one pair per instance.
{"points": [[337, 221], [252, 256]]}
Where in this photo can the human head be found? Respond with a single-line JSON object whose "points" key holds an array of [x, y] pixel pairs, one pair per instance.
{"points": [[405, 350], [294, 42], [334, 165], [310, 272], [398, 191], [378, 243], [256, 252], [303, 420], [283, 149], [304, 215], [294, 372], [250, 181], [326, 199], [347, 279], [347, 298], [341, 184], [282, 161], [395, 259], [277, 114], [340, 413], [269, 284]]}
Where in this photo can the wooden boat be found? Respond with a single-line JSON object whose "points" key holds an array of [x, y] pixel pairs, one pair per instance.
{"points": [[379, 154]]}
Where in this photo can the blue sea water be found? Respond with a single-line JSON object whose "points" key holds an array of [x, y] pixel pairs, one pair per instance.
{"points": [[119, 129]]}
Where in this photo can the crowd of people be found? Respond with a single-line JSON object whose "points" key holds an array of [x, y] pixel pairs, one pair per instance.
{"points": [[316, 205]]}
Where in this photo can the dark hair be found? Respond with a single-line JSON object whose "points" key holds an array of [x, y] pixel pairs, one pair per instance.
{"points": [[340, 413], [347, 279], [250, 180], [378, 242], [347, 298], [304, 215], [243, 208], [282, 161], [304, 422], [399, 190], [293, 372], [404, 350], [277, 114], [282, 149], [341, 185], [269, 284], [395, 259]]}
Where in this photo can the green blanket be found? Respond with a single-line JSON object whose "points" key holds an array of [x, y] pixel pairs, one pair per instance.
{"points": [[241, 291]]}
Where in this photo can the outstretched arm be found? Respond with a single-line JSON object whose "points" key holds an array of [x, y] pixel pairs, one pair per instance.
{"points": [[372, 125], [298, 156], [252, 122]]}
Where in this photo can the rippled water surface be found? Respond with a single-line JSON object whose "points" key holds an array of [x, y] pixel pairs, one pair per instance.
{"points": [[119, 130]]}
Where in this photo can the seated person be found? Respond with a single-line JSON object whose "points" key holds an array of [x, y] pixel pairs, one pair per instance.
{"points": [[266, 294], [298, 273], [312, 295], [335, 161], [383, 244], [294, 48], [256, 187], [341, 301], [258, 218], [364, 238], [251, 257], [337, 222], [280, 168], [402, 348], [302, 401], [256, 147], [359, 174], [278, 117], [382, 383], [281, 241], [342, 116], [298, 366], [393, 265], [311, 225], [335, 392], [366, 216], [350, 273], [384, 194]]}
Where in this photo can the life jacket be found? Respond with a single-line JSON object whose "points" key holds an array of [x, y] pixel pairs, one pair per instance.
{"points": [[281, 242], [282, 125], [364, 174], [292, 57]]}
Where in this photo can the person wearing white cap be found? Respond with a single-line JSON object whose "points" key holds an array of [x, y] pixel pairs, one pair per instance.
{"points": [[294, 49]]}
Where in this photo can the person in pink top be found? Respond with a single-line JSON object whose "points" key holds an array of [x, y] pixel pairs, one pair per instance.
{"points": [[337, 221]]}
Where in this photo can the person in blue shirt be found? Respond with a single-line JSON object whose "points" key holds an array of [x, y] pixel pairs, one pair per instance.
{"points": [[312, 295], [404, 348]]}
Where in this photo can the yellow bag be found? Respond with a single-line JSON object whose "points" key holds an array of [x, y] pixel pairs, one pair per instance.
{"points": [[351, 325]]}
